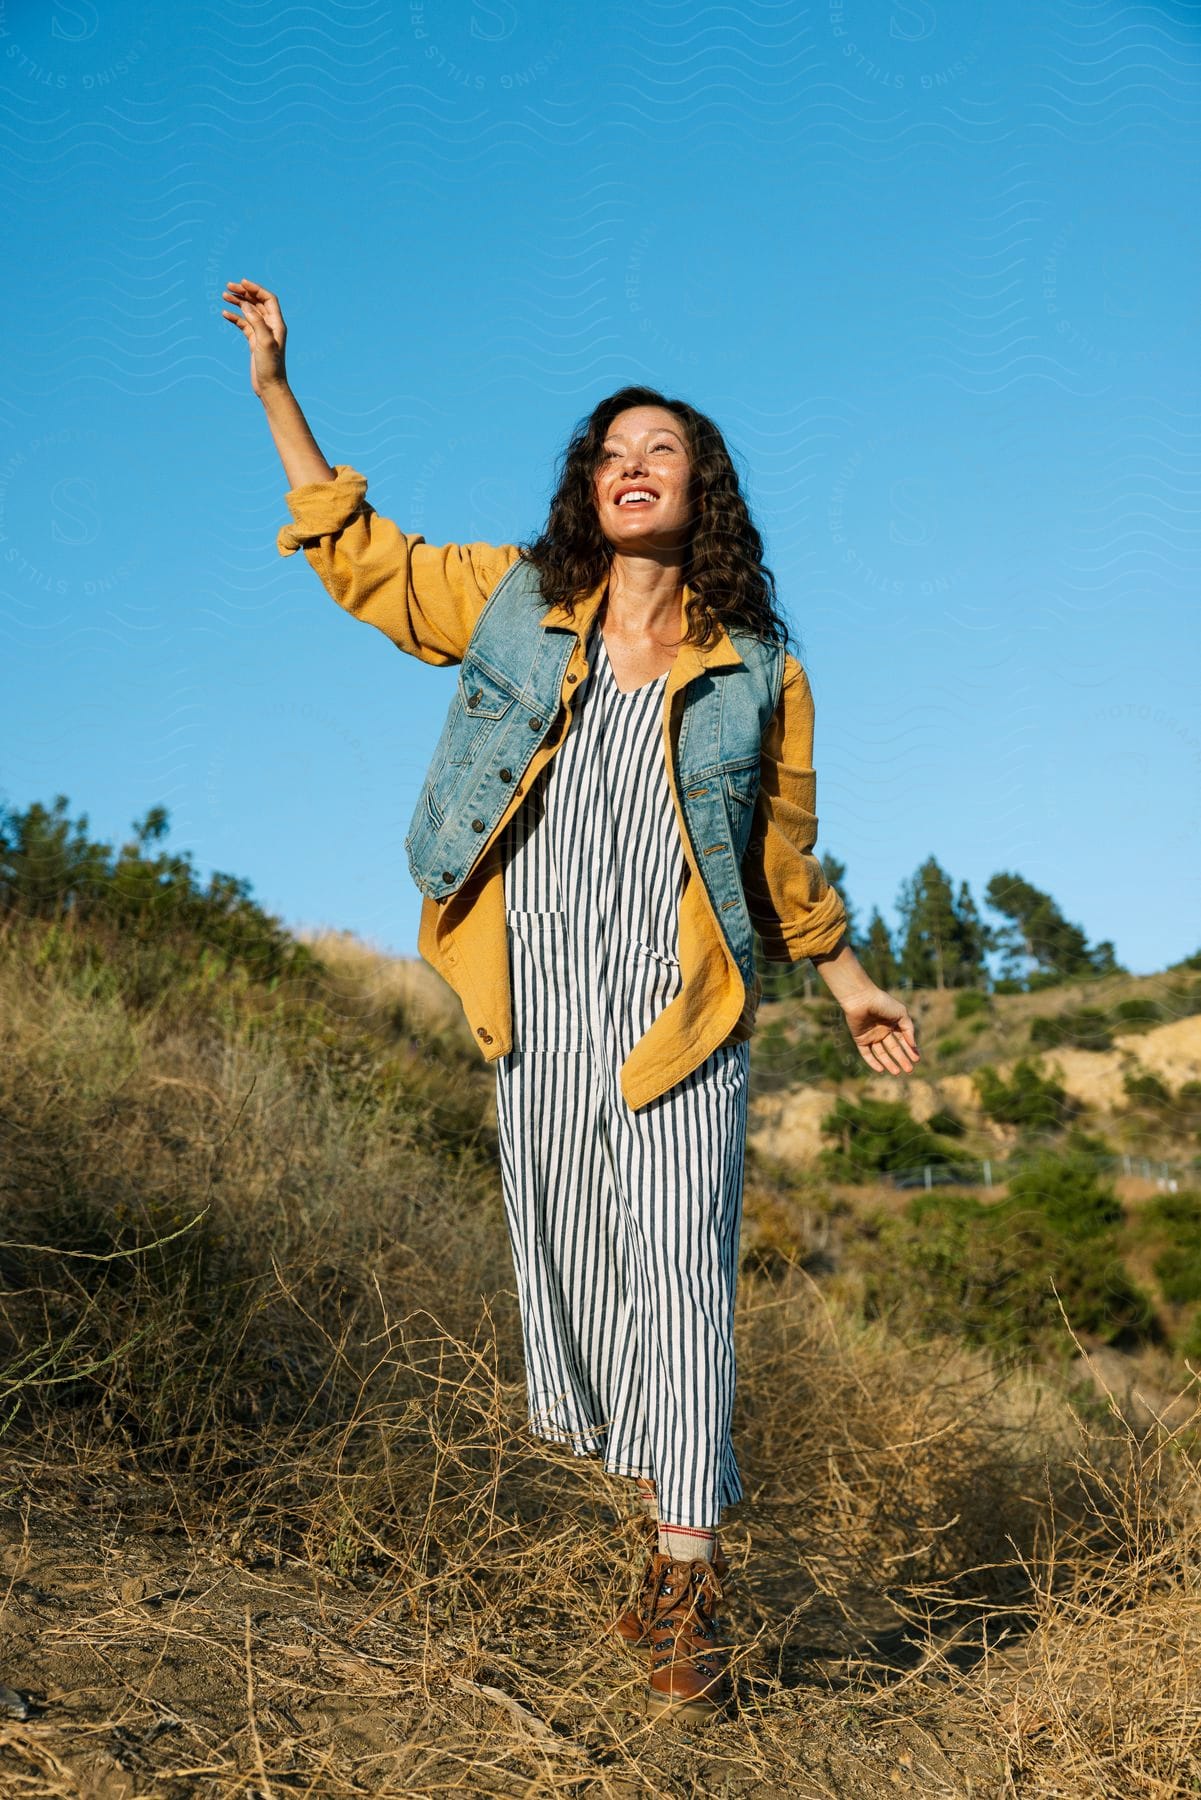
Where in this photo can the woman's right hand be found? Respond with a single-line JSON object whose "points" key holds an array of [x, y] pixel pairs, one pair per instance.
{"points": [[262, 324]]}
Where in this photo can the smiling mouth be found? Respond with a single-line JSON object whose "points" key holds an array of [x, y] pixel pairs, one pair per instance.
{"points": [[638, 497]]}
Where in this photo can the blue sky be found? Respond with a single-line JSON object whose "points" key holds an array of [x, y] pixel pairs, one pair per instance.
{"points": [[933, 269]]}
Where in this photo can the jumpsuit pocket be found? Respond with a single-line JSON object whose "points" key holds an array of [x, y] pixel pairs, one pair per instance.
{"points": [[656, 981], [548, 1012]]}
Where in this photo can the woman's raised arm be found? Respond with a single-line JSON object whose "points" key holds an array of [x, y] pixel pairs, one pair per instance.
{"points": [[426, 598], [262, 324]]}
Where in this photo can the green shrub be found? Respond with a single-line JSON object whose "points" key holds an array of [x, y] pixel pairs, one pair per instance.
{"points": [[1078, 1142], [1147, 1089], [780, 1060], [825, 1015], [1027, 1098], [158, 915], [949, 1046], [1067, 1192], [989, 1272], [1178, 1272], [1141, 1010], [1155, 1109], [771, 1054], [1190, 1343], [876, 1137], [1087, 1028], [1174, 1222], [1188, 1107], [1147, 1093], [969, 1002], [1181, 999], [1173, 1214]]}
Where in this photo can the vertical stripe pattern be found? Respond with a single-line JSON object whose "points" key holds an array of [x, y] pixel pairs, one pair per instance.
{"points": [[624, 1225]]}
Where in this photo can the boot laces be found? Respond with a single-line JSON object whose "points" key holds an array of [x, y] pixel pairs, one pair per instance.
{"points": [[692, 1601]]}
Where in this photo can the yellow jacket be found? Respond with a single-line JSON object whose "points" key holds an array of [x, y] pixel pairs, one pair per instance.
{"points": [[427, 598]]}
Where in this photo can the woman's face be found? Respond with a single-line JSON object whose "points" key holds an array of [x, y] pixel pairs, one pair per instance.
{"points": [[645, 454]]}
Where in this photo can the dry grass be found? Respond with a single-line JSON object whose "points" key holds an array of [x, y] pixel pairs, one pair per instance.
{"points": [[373, 984], [272, 1522]]}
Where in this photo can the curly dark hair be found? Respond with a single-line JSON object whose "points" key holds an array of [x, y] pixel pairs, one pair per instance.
{"points": [[724, 565]]}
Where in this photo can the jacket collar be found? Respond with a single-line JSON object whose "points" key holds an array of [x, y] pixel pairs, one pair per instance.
{"points": [[691, 659]]}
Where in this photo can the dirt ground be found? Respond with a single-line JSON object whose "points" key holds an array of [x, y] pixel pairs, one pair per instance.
{"points": [[154, 1665]]}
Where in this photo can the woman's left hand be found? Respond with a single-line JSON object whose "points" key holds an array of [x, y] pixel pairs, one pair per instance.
{"points": [[883, 1031]]}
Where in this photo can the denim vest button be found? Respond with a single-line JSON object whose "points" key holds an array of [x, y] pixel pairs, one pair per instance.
{"points": [[477, 824], [535, 724], [506, 774], [474, 699], [446, 875]]}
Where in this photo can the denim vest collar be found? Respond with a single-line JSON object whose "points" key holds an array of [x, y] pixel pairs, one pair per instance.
{"points": [[691, 660], [509, 694]]}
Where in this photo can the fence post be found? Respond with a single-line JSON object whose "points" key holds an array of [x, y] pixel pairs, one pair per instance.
{"points": [[987, 1172], [929, 1179]]}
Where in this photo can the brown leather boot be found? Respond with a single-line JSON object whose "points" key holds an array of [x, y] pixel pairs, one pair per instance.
{"points": [[631, 1626], [688, 1677]]}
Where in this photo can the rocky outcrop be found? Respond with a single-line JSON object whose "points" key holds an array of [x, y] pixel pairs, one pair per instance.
{"points": [[787, 1124]]}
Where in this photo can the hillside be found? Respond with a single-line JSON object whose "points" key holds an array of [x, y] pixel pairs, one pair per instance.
{"points": [[270, 1521], [787, 1122]]}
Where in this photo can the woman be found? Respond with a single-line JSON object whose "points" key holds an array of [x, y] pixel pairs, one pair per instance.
{"points": [[622, 793]]}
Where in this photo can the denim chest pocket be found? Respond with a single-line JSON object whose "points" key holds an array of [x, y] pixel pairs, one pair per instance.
{"points": [[740, 786], [483, 698]]}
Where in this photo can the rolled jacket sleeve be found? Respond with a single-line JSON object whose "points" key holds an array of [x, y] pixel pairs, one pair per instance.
{"points": [[792, 905], [426, 598]]}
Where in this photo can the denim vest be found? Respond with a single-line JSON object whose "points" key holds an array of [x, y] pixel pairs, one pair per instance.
{"points": [[508, 696]]}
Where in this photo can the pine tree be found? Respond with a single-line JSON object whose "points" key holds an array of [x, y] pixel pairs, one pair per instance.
{"points": [[49, 867], [943, 938], [974, 937], [929, 926], [836, 875], [877, 954], [1038, 934]]}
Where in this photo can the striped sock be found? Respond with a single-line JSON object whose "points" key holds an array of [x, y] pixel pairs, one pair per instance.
{"points": [[686, 1543]]}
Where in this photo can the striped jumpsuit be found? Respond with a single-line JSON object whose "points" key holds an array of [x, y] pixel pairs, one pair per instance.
{"points": [[624, 1224]]}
